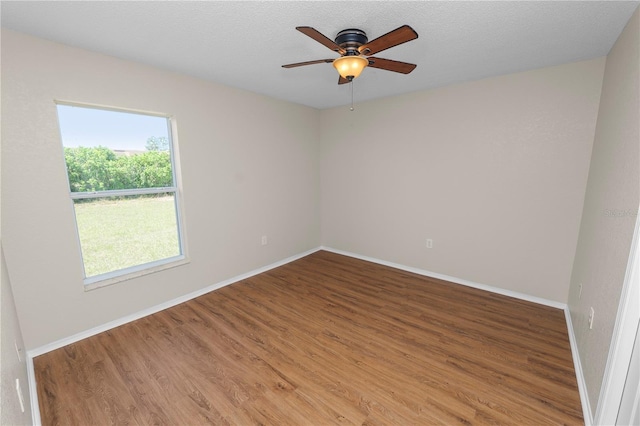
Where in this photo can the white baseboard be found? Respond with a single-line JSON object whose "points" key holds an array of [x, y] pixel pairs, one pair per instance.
{"points": [[467, 283], [577, 365], [157, 308], [33, 392]]}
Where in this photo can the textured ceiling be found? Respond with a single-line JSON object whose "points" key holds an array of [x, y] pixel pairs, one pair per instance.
{"points": [[243, 44]]}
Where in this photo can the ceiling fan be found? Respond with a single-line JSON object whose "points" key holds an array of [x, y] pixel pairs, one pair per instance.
{"points": [[354, 49]]}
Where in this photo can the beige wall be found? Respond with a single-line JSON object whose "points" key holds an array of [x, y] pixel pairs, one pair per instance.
{"points": [[493, 171], [249, 168], [610, 208], [11, 368]]}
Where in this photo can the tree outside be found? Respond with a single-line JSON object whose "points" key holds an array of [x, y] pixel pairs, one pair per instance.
{"points": [[101, 169]]}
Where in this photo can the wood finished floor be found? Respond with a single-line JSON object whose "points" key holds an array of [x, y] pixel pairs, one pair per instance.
{"points": [[324, 340]]}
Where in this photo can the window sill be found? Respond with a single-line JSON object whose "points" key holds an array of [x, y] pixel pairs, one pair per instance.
{"points": [[109, 279]]}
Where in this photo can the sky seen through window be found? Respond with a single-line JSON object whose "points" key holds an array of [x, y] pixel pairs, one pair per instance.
{"points": [[91, 127]]}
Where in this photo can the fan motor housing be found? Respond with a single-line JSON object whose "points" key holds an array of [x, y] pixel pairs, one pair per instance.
{"points": [[351, 39]]}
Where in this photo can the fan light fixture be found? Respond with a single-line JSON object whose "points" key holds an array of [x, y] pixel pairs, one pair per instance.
{"points": [[350, 66]]}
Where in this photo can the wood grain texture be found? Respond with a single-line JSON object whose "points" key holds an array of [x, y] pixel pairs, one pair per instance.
{"points": [[324, 340]]}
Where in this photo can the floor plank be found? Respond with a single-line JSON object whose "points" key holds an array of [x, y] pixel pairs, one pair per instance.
{"points": [[326, 339]]}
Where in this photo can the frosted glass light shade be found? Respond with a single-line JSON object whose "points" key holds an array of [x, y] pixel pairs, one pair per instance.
{"points": [[350, 66]]}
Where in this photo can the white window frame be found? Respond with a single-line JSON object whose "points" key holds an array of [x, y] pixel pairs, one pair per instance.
{"points": [[112, 277]]}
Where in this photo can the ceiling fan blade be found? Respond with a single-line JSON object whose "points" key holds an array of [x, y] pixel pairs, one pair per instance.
{"points": [[300, 64], [389, 65], [398, 36], [342, 80], [321, 38]]}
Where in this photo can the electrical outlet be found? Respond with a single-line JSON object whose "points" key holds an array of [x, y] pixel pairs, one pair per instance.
{"points": [[591, 315], [264, 240], [20, 397], [579, 291], [429, 243]]}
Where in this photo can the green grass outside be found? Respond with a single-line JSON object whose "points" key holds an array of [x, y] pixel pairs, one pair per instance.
{"points": [[117, 234]]}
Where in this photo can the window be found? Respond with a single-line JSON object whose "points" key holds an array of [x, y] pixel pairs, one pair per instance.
{"points": [[122, 182]]}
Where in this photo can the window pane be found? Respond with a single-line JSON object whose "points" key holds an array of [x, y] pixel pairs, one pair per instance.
{"points": [[121, 232], [111, 150], [116, 162]]}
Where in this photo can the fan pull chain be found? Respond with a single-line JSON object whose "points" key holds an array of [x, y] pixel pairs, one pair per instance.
{"points": [[351, 109]]}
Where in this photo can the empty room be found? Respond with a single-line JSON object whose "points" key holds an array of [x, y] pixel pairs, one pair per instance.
{"points": [[320, 212]]}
